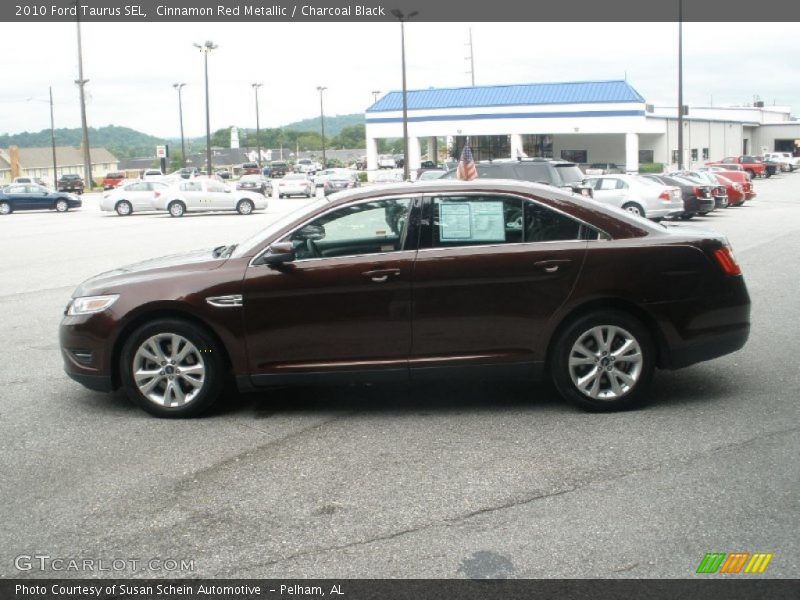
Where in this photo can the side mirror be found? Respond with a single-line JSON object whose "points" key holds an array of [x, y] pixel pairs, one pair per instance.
{"points": [[279, 253], [227, 190]]}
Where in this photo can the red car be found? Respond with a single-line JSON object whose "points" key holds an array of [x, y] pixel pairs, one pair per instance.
{"points": [[112, 180], [751, 165], [735, 191], [741, 178]]}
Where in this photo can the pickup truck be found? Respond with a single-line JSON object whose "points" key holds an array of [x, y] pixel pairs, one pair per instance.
{"points": [[70, 183], [750, 164], [112, 180], [785, 159]]}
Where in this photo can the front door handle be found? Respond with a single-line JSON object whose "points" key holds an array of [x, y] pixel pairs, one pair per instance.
{"points": [[381, 275], [553, 265]]}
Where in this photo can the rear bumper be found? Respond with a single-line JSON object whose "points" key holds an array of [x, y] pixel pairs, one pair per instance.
{"points": [[719, 345]]}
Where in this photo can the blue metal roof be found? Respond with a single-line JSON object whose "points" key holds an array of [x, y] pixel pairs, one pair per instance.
{"points": [[575, 92]]}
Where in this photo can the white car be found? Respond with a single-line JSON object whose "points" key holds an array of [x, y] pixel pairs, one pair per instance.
{"points": [[785, 159], [637, 195], [295, 184], [387, 161], [322, 176], [203, 195], [131, 196], [306, 165], [152, 175]]}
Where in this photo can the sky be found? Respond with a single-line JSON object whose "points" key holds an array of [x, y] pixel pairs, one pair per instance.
{"points": [[131, 66]]}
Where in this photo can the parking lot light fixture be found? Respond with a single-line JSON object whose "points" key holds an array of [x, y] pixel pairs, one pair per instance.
{"points": [[403, 18], [258, 125], [206, 47], [375, 94], [321, 89], [179, 87]]}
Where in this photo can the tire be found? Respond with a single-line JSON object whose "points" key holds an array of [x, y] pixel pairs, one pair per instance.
{"points": [[179, 394], [611, 389], [245, 207], [633, 207], [123, 208], [751, 173], [61, 205], [176, 208], [686, 216], [5, 208]]}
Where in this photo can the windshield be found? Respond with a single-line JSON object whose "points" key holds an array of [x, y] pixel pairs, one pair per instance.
{"points": [[570, 173], [246, 247]]}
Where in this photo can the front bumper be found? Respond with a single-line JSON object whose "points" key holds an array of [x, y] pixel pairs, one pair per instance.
{"points": [[85, 350]]}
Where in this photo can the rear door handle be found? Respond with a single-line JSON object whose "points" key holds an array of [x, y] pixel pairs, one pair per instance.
{"points": [[381, 275], [553, 265]]}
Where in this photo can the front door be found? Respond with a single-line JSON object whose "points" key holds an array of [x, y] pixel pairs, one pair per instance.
{"points": [[342, 307], [494, 271]]}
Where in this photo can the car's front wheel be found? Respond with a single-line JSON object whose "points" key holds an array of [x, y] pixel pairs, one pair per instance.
{"points": [[123, 208], [62, 205], [172, 368], [176, 208], [603, 361], [245, 207]]}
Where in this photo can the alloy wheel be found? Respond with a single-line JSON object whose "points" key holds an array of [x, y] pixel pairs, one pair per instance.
{"points": [[605, 362], [169, 370]]}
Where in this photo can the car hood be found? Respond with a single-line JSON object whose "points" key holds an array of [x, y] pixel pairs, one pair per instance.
{"points": [[164, 267]]}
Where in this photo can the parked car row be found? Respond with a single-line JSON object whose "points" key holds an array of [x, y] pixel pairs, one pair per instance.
{"points": [[194, 195]]}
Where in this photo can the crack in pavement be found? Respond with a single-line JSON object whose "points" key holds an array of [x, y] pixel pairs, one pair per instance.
{"points": [[520, 502]]}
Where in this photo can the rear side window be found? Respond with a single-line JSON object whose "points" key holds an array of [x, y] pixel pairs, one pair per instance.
{"points": [[543, 224]]}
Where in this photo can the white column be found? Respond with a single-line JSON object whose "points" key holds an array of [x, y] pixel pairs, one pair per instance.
{"points": [[632, 152], [414, 153], [433, 149], [372, 153], [516, 146]]}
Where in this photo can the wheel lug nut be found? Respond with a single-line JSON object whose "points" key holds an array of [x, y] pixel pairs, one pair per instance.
{"points": [[163, 362]]}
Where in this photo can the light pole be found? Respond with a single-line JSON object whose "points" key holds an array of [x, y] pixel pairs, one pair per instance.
{"points": [[179, 87], [680, 85], [205, 48], [375, 95], [258, 126], [403, 19], [321, 89], [53, 141], [87, 158]]}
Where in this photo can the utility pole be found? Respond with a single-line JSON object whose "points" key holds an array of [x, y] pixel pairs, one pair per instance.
{"points": [[258, 126], [179, 86], [680, 85], [53, 141], [471, 58], [375, 95], [403, 18], [87, 158], [321, 89]]}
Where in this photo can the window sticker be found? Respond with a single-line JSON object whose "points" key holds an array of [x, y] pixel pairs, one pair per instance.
{"points": [[472, 221]]}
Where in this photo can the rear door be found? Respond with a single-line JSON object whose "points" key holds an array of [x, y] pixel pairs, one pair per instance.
{"points": [[610, 190], [491, 271]]}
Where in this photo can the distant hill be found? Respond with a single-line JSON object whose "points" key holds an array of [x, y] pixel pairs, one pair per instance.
{"points": [[333, 125], [122, 142]]}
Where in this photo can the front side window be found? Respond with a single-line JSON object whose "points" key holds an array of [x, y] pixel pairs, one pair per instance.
{"points": [[364, 228]]}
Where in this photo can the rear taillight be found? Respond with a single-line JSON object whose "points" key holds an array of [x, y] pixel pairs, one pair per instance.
{"points": [[158, 194], [665, 196], [727, 262]]}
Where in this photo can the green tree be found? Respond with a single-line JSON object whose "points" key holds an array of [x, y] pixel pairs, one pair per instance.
{"points": [[352, 136]]}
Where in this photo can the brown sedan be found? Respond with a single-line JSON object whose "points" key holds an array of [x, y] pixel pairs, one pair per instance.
{"points": [[411, 281]]}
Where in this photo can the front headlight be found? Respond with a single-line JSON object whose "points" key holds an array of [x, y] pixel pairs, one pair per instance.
{"points": [[88, 305]]}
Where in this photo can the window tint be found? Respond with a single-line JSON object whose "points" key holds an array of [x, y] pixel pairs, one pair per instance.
{"points": [[621, 185], [191, 186], [606, 184], [533, 172], [543, 224], [365, 228], [213, 186], [476, 220]]}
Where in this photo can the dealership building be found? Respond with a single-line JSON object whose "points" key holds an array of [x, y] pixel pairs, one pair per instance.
{"points": [[583, 121]]}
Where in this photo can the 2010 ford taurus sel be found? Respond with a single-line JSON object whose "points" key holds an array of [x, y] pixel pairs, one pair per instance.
{"points": [[409, 281]]}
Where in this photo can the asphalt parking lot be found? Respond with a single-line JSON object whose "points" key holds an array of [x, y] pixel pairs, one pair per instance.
{"points": [[440, 480]]}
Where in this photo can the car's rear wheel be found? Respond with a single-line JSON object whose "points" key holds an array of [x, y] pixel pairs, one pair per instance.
{"points": [[176, 208], [634, 208], [5, 208], [62, 205], [751, 173], [245, 207], [172, 368], [123, 208], [603, 361], [687, 216]]}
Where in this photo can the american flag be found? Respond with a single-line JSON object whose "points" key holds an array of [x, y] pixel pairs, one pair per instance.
{"points": [[466, 166]]}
